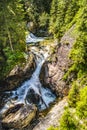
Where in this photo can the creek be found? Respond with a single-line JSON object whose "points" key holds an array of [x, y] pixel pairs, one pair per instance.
{"points": [[31, 91]]}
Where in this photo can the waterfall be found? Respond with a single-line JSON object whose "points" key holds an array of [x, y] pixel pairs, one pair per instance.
{"points": [[31, 38], [32, 91]]}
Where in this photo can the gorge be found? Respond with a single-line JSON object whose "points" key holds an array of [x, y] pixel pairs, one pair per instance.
{"points": [[30, 93], [43, 65]]}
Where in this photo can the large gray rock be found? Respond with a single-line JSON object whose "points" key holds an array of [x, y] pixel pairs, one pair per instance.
{"points": [[19, 74], [53, 71], [18, 116]]}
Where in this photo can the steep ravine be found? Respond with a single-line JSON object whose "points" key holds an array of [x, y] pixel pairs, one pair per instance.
{"points": [[21, 104], [52, 62], [53, 72]]}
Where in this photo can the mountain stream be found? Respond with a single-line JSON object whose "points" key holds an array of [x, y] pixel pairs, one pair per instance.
{"points": [[31, 91]]}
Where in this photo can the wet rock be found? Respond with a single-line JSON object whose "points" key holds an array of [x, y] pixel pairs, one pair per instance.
{"points": [[33, 97], [53, 71], [18, 116], [31, 26], [18, 75], [1, 126]]}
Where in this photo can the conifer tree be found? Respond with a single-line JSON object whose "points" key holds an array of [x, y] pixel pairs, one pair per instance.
{"points": [[12, 32]]}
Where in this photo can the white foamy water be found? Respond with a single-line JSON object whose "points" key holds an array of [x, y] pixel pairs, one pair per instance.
{"points": [[31, 38], [21, 94]]}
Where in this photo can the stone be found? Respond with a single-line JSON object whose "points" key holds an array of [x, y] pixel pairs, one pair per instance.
{"points": [[33, 97], [19, 74], [19, 116], [53, 71], [53, 117]]}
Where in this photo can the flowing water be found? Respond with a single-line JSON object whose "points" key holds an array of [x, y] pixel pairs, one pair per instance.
{"points": [[33, 39], [31, 91]]}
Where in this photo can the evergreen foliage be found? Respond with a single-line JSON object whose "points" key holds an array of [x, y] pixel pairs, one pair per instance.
{"points": [[63, 15], [67, 122], [59, 16], [12, 35], [82, 104], [73, 95], [38, 11], [52, 128]]}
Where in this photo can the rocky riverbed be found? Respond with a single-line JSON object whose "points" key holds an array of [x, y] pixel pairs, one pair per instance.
{"points": [[51, 76], [53, 117], [19, 74], [17, 109]]}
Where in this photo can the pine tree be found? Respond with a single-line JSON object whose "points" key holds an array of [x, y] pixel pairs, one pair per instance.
{"points": [[12, 33]]}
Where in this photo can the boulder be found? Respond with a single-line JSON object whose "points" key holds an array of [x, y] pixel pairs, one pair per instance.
{"points": [[33, 97], [19, 74], [18, 116]]}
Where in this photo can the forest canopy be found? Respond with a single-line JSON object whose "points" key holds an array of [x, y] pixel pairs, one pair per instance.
{"points": [[14, 16]]}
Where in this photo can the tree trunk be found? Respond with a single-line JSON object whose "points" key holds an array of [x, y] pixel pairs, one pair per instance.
{"points": [[9, 36]]}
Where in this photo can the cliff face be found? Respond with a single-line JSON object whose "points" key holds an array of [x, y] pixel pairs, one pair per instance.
{"points": [[53, 72]]}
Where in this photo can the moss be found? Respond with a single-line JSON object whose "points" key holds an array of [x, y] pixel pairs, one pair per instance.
{"points": [[52, 128]]}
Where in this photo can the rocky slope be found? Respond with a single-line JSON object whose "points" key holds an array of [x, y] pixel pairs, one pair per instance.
{"points": [[19, 73], [19, 116], [53, 117], [52, 72], [52, 76]]}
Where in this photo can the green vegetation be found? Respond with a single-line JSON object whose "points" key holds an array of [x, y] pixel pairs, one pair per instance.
{"points": [[67, 122], [76, 118], [14, 15], [62, 14], [82, 104], [57, 17], [65, 14], [52, 128], [12, 35], [37, 11], [74, 95]]}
